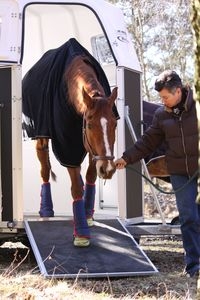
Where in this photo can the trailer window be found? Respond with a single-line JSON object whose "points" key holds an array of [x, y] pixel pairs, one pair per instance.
{"points": [[101, 50]]}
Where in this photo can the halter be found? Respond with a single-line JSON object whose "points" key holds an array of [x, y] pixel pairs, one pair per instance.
{"points": [[87, 144]]}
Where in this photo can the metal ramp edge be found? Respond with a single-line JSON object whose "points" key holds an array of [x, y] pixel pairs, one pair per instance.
{"points": [[113, 251]]}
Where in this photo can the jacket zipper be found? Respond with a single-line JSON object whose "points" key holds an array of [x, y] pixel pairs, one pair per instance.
{"points": [[183, 143]]}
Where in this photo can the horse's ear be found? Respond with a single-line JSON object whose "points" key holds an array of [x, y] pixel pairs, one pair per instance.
{"points": [[87, 99], [113, 95]]}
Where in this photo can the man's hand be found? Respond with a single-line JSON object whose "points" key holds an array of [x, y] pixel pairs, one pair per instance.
{"points": [[120, 163]]}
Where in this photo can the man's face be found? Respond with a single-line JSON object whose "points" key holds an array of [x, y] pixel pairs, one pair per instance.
{"points": [[170, 98]]}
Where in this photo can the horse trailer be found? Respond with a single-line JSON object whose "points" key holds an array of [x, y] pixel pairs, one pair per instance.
{"points": [[27, 30]]}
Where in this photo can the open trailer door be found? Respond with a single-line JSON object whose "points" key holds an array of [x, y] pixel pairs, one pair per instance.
{"points": [[48, 25], [10, 140], [10, 119]]}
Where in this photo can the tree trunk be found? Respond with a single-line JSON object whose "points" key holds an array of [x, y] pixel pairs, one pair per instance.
{"points": [[195, 20]]}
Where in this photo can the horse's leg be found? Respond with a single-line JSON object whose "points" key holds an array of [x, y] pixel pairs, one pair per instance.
{"points": [[89, 191], [46, 204], [81, 229]]}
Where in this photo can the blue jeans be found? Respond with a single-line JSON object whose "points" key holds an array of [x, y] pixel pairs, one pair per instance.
{"points": [[189, 215]]}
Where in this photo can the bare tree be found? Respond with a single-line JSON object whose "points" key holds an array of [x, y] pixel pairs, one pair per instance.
{"points": [[162, 37]]}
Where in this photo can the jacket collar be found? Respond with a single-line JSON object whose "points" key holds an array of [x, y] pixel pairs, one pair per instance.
{"points": [[186, 93]]}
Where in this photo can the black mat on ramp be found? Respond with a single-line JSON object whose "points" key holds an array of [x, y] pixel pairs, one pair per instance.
{"points": [[112, 252]]}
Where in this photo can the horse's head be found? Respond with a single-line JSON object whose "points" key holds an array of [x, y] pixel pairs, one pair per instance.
{"points": [[99, 132]]}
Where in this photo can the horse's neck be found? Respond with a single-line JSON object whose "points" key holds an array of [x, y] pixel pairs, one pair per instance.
{"points": [[81, 75], [91, 86]]}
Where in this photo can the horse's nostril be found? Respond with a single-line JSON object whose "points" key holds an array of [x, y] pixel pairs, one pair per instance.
{"points": [[105, 169], [102, 171], [105, 173]]}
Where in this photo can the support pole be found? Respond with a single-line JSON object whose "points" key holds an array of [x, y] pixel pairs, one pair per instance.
{"points": [[133, 135], [1, 107]]}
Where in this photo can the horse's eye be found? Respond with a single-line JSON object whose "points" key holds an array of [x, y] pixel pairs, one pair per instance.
{"points": [[89, 125], [90, 116]]}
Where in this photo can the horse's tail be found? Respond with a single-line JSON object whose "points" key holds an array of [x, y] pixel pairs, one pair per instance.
{"points": [[53, 175]]}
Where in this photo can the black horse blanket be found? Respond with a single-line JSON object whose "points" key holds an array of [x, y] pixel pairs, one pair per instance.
{"points": [[46, 112]]}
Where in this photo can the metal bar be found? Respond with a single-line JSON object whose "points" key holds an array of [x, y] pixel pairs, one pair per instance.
{"points": [[1, 106]]}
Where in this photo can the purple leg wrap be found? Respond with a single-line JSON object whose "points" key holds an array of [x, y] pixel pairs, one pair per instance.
{"points": [[81, 228], [46, 205], [89, 198]]}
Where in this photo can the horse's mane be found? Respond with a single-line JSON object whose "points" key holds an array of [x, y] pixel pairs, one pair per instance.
{"points": [[81, 74]]}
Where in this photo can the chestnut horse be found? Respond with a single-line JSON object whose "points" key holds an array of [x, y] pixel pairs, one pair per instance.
{"points": [[89, 101]]}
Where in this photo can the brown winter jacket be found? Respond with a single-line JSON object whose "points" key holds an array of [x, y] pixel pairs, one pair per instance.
{"points": [[181, 136]]}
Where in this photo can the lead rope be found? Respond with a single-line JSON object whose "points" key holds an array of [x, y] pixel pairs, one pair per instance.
{"points": [[158, 188]]}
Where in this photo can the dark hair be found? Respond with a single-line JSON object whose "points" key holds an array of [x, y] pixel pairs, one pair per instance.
{"points": [[169, 80]]}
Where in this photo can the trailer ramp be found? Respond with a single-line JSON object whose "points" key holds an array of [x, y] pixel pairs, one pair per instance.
{"points": [[113, 252]]}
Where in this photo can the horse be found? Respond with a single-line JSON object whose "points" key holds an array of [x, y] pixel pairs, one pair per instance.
{"points": [[156, 163], [91, 110]]}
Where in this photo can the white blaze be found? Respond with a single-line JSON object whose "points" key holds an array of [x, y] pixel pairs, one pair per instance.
{"points": [[104, 122]]}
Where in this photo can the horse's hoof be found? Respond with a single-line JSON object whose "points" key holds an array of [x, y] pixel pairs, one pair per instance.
{"points": [[90, 222], [81, 241], [46, 213]]}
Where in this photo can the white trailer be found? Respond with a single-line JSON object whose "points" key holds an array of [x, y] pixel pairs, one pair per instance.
{"points": [[27, 30]]}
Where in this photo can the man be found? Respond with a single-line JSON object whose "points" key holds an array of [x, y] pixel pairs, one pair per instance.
{"points": [[176, 123]]}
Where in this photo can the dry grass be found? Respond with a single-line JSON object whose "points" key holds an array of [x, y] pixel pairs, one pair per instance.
{"points": [[20, 278], [36, 287]]}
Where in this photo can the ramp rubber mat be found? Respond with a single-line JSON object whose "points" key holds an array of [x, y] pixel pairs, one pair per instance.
{"points": [[112, 252]]}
